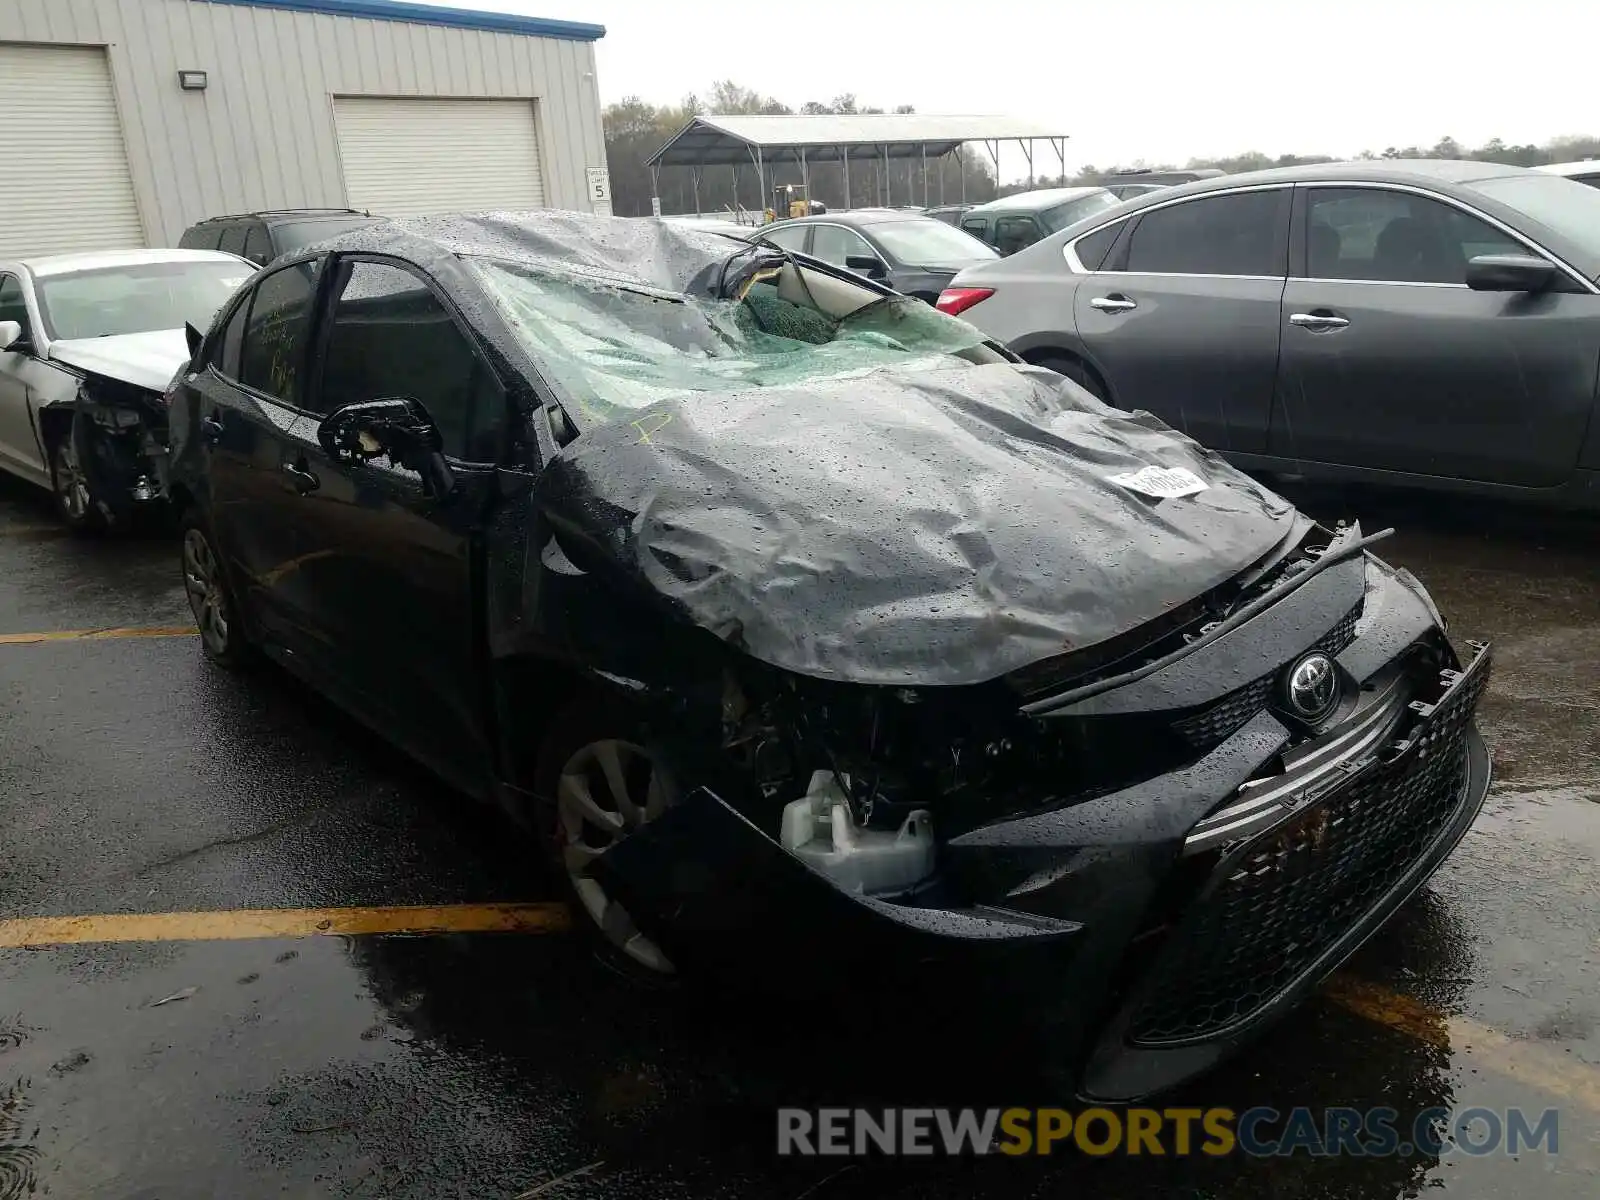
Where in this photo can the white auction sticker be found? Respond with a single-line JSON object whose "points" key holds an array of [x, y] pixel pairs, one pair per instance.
{"points": [[1164, 483]]}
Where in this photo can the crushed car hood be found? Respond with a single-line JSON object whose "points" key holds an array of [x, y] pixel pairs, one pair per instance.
{"points": [[938, 523], [147, 360]]}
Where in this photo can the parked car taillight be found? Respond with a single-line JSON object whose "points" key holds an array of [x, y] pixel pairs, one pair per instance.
{"points": [[955, 301]]}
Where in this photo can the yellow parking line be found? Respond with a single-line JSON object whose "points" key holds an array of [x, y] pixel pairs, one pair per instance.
{"points": [[94, 635], [281, 923], [1539, 1066], [1533, 1063]]}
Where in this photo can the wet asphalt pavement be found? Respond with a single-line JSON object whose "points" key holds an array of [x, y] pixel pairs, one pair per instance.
{"points": [[136, 779]]}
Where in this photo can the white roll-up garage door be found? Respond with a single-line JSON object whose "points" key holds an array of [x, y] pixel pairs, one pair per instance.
{"points": [[403, 157], [64, 182]]}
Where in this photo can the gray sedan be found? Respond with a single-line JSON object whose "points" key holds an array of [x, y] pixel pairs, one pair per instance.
{"points": [[1429, 323]]}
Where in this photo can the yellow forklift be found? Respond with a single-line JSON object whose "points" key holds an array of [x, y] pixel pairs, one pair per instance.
{"points": [[790, 200]]}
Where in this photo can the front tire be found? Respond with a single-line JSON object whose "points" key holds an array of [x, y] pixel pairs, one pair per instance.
{"points": [[596, 784], [75, 500], [211, 600]]}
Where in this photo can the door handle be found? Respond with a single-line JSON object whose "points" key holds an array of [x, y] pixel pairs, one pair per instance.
{"points": [[1317, 322], [1113, 304], [211, 428], [303, 479]]}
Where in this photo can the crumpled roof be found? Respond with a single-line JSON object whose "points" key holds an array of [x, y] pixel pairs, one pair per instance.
{"points": [[645, 251]]}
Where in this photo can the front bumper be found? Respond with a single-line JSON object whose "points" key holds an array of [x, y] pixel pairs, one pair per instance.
{"points": [[1142, 942]]}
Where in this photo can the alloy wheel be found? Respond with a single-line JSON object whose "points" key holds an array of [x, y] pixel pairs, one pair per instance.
{"points": [[72, 485], [203, 583], [608, 789]]}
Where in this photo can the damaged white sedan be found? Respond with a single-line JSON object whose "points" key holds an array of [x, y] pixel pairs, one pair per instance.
{"points": [[88, 344]]}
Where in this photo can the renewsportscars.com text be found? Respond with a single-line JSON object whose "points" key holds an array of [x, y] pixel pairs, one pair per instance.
{"points": [[1160, 1132]]}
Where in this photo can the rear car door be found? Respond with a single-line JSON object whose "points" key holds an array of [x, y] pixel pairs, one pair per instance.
{"points": [[1182, 317], [1390, 362], [387, 567], [249, 394]]}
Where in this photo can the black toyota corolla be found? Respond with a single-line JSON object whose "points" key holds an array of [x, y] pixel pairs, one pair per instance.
{"points": [[796, 617]]}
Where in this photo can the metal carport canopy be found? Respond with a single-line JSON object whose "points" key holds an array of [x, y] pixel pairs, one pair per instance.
{"points": [[713, 140], [764, 141]]}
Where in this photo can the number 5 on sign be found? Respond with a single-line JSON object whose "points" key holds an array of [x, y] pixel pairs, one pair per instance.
{"points": [[599, 189]]}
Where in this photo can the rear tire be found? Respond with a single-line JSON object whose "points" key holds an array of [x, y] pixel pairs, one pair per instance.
{"points": [[222, 637], [595, 783], [1075, 370]]}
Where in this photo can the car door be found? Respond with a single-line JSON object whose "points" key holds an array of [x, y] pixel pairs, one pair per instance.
{"points": [[1182, 317], [249, 395], [27, 383], [1390, 362], [386, 567]]}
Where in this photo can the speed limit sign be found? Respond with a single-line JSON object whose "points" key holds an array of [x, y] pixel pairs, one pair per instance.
{"points": [[600, 189]]}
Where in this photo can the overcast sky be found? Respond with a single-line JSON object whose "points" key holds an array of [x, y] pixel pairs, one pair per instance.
{"points": [[1131, 79]]}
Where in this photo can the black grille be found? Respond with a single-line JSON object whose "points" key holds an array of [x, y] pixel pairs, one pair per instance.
{"points": [[1278, 902], [1213, 724]]}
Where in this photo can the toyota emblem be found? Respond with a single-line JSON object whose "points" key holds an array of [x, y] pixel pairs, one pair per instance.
{"points": [[1311, 687]]}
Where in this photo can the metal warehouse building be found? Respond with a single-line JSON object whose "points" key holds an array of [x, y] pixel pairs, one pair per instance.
{"points": [[124, 121]]}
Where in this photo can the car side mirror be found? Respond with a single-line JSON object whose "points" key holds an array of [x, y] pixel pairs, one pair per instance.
{"points": [[869, 265], [10, 334], [397, 428], [1509, 273]]}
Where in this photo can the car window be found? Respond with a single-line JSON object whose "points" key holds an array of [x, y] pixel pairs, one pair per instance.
{"points": [[1092, 249], [233, 239], [1013, 233], [391, 336], [978, 227], [12, 306], [1058, 218], [273, 357], [790, 237], [1236, 234], [199, 237], [224, 356], [925, 243], [834, 243], [1394, 237], [257, 245]]}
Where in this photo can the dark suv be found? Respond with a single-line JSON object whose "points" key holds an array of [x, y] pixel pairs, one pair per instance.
{"points": [[263, 236]]}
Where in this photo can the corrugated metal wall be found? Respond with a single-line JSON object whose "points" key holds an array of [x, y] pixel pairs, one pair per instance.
{"points": [[262, 134]]}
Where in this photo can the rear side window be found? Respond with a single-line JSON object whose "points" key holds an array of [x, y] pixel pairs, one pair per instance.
{"points": [[978, 228], [257, 245], [273, 357], [792, 237], [199, 237], [232, 241], [1013, 233], [1238, 234], [1092, 250]]}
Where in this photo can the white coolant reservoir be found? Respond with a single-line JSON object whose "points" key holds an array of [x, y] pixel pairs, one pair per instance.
{"points": [[819, 829]]}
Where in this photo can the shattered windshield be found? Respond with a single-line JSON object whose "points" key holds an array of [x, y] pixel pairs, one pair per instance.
{"points": [[617, 349]]}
